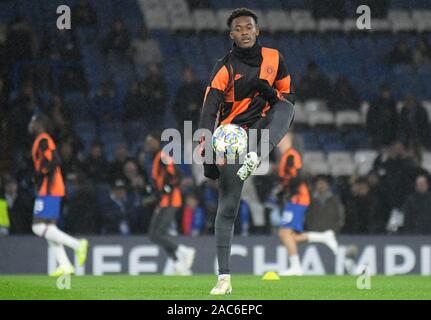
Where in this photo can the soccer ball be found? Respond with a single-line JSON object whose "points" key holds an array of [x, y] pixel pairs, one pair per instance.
{"points": [[230, 140]]}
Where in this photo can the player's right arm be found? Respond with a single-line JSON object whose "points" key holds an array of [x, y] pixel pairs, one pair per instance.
{"points": [[214, 96], [50, 159]]}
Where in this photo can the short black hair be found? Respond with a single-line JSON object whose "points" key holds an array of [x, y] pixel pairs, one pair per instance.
{"points": [[241, 12]]}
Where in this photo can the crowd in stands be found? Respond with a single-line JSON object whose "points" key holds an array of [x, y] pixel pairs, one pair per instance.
{"points": [[114, 194]]}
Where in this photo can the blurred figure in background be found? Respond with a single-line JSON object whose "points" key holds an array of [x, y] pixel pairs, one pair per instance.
{"points": [[145, 51], [401, 54], [117, 41], [360, 208], [314, 84], [155, 92], [19, 206], [143, 200], [382, 119], [416, 209], [135, 104], [344, 96], [84, 14], [326, 212], [115, 213], [188, 100], [81, 214], [167, 180], [95, 164], [116, 167], [422, 52], [415, 131], [193, 216]]}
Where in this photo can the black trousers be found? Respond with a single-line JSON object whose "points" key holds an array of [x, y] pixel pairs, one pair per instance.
{"points": [[278, 121], [158, 230]]}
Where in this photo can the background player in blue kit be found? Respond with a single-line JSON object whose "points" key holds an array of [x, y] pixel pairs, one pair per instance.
{"points": [[295, 199]]}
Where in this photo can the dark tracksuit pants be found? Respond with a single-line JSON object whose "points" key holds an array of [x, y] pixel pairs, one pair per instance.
{"points": [[158, 230], [278, 121]]}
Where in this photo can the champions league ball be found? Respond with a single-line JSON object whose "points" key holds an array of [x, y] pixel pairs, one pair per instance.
{"points": [[230, 140]]}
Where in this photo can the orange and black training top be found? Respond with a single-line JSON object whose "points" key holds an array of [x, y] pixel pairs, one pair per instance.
{"points": [[230, 90], [167, 180], [49, 178], [289, 171]]}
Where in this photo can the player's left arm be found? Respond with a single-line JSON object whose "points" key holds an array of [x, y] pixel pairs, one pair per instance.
{"points": [[283, 81]]}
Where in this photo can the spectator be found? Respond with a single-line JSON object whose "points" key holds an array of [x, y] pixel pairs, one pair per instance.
{"points": [[105, 103], [193, 216], [144, 201], [117, 41], [401, 54], [116, 167], [344, 96], [72, 79], [360, 208], [416, 209], [62, 46], [382, 119], [23, 108], [21, 41], [156, 93], [130, 171], [20, 208], [145, 163], [188, 100], [83, 14], [396, 172], [70, 164], [135, 103], [115, 212], [144, 51], [326, 211], [414, 124], [81, 212], [314, 84], [422, 52], [95, 165], [58, 115]]}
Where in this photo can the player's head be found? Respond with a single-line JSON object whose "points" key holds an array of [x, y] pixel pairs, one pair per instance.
{"points": [[38, 124], [243, 27], [153, 142]]}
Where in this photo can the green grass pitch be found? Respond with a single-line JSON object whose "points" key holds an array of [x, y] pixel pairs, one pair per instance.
{"points": [[245, 287]]}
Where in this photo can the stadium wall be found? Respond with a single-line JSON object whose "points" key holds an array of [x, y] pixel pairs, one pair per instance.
{"points": [[134, 255]]}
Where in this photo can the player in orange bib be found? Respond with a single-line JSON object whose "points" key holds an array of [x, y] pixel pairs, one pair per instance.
{"points": [[167, 182], [50, 191]]}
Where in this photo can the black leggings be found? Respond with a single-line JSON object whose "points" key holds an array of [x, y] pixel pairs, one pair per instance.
{"points": [[278, 121], [158, 230]]}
